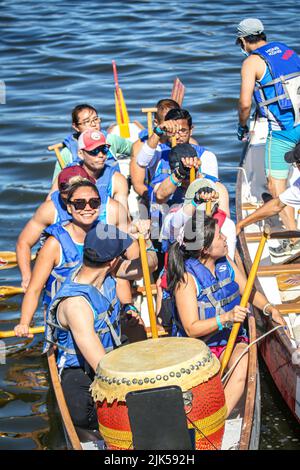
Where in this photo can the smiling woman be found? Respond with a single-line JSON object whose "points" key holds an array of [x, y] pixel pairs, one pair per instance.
{"points": [[63, 250]]}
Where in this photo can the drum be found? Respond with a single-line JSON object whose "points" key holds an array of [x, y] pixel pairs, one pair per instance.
{"points": [[184, 362]]}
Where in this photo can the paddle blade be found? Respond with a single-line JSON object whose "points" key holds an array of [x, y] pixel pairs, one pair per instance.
{"points": [[9, 291], [121, 114], [178, 91], [8, 259]]}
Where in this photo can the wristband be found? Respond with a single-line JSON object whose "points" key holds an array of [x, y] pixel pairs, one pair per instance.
{"points": [[219, 323], [179, 175], [176, 183], [194, 203], [129, 308], [158, 131]]}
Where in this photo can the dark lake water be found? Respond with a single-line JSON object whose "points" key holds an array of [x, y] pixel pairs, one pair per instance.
{"points": [[55, 55]]}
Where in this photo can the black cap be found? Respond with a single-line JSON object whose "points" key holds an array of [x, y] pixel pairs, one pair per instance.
{"points": [[104, 243], [293, 155], [181, 151]]}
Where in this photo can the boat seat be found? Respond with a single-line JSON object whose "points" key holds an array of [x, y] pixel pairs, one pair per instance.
{"points": [[265, 271], [288, 307]]}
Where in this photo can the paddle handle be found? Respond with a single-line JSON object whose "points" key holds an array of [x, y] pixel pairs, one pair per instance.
{"points": [[192, 174], [245, 298], [56, 148], [208, 208], [33, 331], [147, 282], [149, 112]]}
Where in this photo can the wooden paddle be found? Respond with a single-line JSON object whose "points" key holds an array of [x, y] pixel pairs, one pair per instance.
{"points": [[9, 291], [149, 112], [178, 91], [8, 259], [147, 282], [59, 157], [33, 331], [121, 110], [245, 298]]}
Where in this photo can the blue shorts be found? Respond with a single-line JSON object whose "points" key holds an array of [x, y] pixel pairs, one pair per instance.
{"points": [[278, 143]]}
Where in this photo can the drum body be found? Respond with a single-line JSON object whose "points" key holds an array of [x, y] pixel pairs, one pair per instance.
{"points": [[185, 362]]}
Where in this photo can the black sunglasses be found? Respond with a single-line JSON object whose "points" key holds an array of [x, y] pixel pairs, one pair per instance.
{"points": [[102, 148], [80, 204]]}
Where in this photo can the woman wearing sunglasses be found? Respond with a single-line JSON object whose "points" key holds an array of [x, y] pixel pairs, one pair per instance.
{"points": [[62, 250]]}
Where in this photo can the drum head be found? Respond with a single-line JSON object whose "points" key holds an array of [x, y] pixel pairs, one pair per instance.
{"points": [[186, 362]]}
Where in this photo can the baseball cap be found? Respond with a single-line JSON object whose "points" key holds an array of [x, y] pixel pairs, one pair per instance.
{"points": [[248, 27], [70, 172], [194, 187], [105, 242], [181, 151], [293, 155], [91, 139]]}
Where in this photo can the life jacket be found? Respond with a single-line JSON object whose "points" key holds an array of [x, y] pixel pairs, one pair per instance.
{"points": [[106, 309], [71, 257], [162, 171], [216, 295], [281, 94], [71, 142], [61, 208]]}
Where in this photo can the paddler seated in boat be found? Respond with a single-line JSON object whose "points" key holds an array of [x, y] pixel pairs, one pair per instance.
{"points": [[206, 286], [198, 194], [153, 155], [140, 176], [55, 210], [83, 330], [92, 152], [85, 116], [62, 251], [291, 198]]}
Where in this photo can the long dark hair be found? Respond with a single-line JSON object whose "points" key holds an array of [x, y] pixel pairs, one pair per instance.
{"points": [[199, 233]]}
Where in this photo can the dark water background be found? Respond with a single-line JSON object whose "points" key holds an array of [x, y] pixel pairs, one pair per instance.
{"points": [[55, 55]]}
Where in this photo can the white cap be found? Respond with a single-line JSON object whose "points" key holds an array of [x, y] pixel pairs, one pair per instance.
{"points": [[249, 26]]}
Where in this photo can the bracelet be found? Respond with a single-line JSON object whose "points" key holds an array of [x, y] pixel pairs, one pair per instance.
{"points": [[265, 308], [219, 323], [176, 183]]}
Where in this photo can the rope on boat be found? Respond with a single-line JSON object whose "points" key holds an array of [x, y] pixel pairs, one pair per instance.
{"points": [[246, 350]]}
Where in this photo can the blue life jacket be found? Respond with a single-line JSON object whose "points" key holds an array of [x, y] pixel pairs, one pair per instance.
{"points": [[273, 96], [61, 208], [71, 143], [216, 295], [71, 257], [106, 309]]}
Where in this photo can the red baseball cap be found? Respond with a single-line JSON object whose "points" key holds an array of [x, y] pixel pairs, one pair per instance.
{"points": [[70, 172], [91, 139]]}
